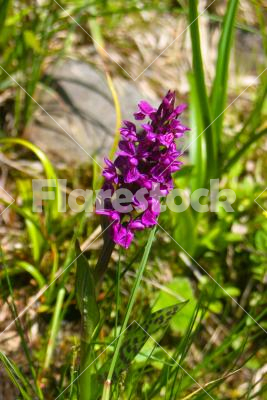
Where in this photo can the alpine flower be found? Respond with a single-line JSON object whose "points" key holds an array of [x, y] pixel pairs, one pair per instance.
{"points": [[146, 159]]}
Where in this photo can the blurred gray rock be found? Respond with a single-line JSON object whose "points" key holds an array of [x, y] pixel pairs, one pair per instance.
{"points": [[79, 101]]}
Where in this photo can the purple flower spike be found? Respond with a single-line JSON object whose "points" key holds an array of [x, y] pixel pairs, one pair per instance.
{"points": [[128, 131], [146, 110], [145, 159]]}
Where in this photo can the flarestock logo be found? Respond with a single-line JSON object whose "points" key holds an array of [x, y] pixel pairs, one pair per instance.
{"points": [[124, 201]]}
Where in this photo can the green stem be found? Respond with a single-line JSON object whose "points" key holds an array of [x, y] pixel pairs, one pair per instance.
{"points": [[103, 260], [108, 247], [86, 382], [107, 386], [118, 300]]}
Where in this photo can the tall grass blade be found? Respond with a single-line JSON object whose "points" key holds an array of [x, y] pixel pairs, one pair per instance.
{"points": [[16, 377], [33, 271], [201, 91], [254, 119], [34, 233], [21, 333], [236, 157], [220, 84], [55, 325], [196, 149]]}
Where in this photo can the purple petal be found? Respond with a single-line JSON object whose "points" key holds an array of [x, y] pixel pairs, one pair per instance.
{"points": [[132, 175], [130, 125], [136, 225], [147, 127], [134, 161], [154, 206], [139, 116], [129, 131], [108, 162], [178, 110], [148, 218], [146, 108], [121, 235]]}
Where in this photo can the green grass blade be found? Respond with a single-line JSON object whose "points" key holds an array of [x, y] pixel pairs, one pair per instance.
{"points": [[197, 155], [3, 12], [48, 167], [201, 91], [54, 269], [236, 157], [254, 120], [16, 377], [21, 332], [260, 10], [35, 234], [220, 84], [33, 271], [54, 327], [23, 266]]}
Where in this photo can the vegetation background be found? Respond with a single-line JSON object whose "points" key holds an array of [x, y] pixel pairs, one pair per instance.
{"points": [[217, 261]]}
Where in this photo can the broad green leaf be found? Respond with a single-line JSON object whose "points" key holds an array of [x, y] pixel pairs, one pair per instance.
{"points": [[216, 307], [137, 335], [182, 287]]}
